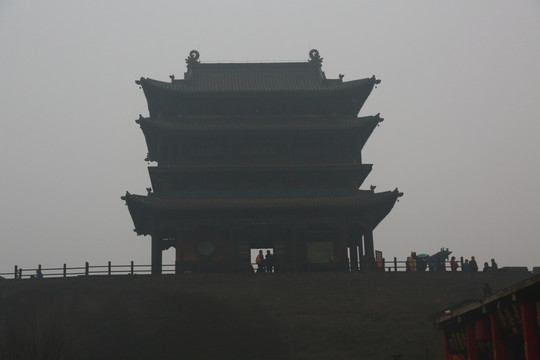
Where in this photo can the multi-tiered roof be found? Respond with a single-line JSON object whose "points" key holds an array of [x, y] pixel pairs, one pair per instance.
{"points": [[257, 143]]}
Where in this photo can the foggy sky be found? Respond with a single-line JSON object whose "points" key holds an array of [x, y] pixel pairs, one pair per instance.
{"points": [[459, 95]]}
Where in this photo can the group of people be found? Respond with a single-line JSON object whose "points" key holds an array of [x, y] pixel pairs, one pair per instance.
{"points": [[472, 266], [265, 263], [438, 263], [423, 263]]}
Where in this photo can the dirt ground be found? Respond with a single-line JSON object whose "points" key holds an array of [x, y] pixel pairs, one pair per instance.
{"points": [[234, 316]]}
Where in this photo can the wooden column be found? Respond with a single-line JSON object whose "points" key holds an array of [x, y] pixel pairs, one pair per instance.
{"points": [[353, 249], [279, 255], [179, 261], [369, 249], [530, 337], [446, 349], [244, 255], [355, 242], [296, 266], [286, 257], [470, 339], [341, 249], [157, 258], [361, 252], [499, 347]]}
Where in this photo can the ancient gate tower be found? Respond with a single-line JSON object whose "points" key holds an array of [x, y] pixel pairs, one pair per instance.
{"points": [[258, 155]]}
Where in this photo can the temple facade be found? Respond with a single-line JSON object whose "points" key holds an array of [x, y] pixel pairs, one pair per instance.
{"points": [[258, 155], [501, 326]]}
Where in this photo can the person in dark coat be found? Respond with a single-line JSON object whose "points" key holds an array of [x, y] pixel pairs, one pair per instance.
{"points": [[453, 264], [269, 261], [260, 262], [473, 265]]}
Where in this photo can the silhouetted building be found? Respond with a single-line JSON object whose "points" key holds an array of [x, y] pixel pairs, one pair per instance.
{"points": [[258, 155], [504, 325]]}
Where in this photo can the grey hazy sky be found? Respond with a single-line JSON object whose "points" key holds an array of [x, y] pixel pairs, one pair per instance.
{"points": [[459, 94]]}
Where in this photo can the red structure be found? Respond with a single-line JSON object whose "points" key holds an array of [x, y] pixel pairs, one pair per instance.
{"points": [[258, 155], [502, 326]]}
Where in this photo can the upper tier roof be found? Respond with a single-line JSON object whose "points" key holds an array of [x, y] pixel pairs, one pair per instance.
{"points": [[255, 88], [237, 78]]}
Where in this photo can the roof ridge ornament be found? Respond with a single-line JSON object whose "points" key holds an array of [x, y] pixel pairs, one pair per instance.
{"points": [[374, 80], [125, 197], [398, 193], [314, 56], [193, 58]]}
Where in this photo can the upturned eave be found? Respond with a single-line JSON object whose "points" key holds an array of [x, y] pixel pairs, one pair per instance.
{"points": [[373, 206]]}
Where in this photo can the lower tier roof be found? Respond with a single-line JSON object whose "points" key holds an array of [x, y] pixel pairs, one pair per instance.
{"points": [[258, 123], [364, 207]]}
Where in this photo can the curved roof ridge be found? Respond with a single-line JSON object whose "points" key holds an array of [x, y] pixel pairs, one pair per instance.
{"points": [[351, 199], [263, 123], [256, 81]]}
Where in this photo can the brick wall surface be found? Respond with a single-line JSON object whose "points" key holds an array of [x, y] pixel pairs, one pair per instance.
{"points": [[235, 316]]}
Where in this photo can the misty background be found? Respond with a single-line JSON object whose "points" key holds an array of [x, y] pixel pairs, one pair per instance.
{"points": [[459, 95]]}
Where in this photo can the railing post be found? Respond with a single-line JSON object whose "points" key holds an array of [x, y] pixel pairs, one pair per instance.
{"points": [[87, 269], [132, 267], [16, 271], [65, 270], [109, 268], [461, 260], [395, 263], [39, 274]]}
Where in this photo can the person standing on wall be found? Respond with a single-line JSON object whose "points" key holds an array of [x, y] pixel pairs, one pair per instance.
{"points": [[269, 261], [473, 265], [260, 262], [453, 264]]}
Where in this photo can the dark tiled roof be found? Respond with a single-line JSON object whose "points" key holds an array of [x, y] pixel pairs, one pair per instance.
{"points": [[263, 123], [374, 206], [531, 284], [362, 199], [260, 168], [256, 78]]}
